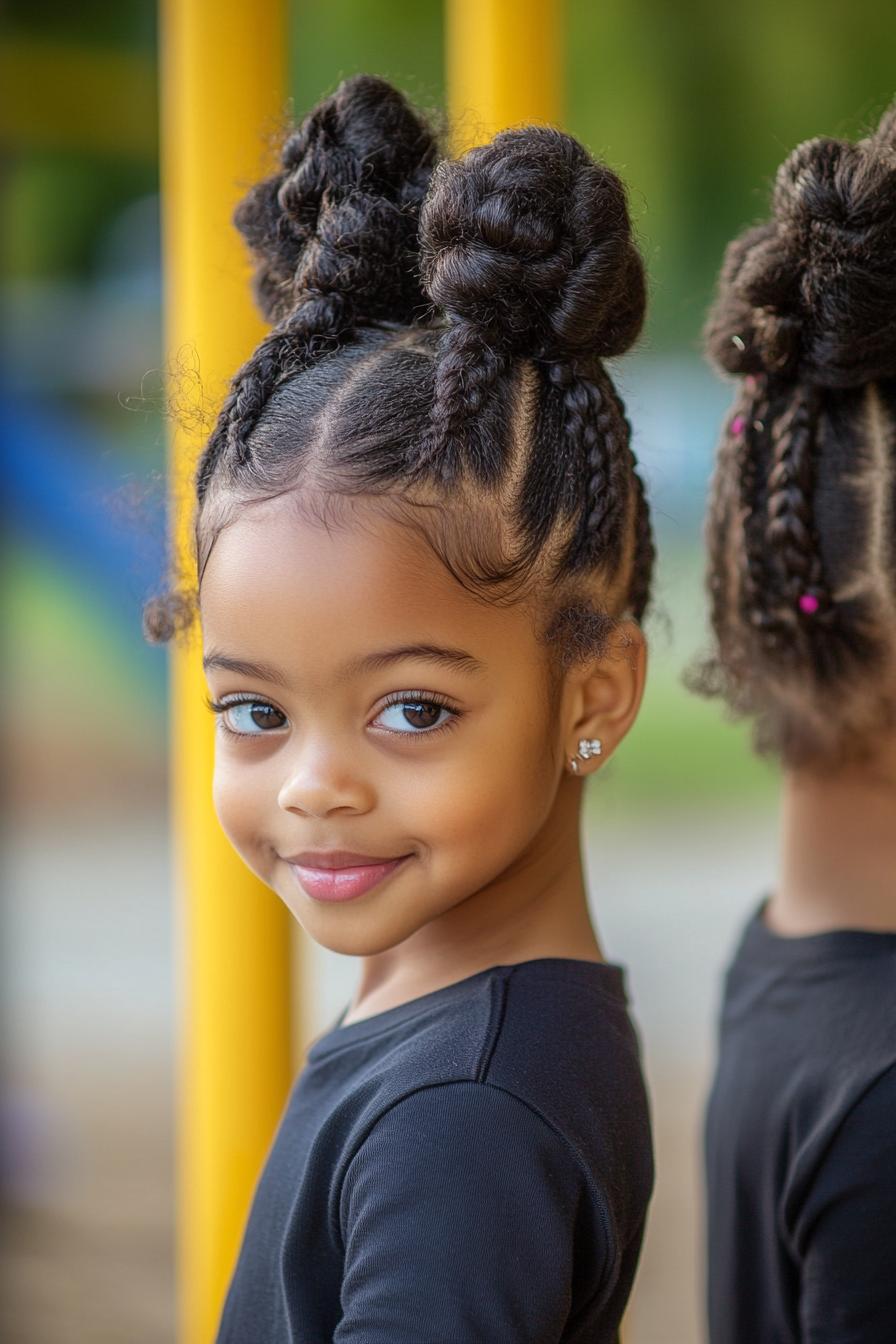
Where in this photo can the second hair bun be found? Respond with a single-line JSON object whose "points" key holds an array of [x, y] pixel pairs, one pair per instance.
{"points": [[811, 293], [529, 240]]}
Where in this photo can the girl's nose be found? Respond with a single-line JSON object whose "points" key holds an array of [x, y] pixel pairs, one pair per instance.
{"points": [[322, 782]]}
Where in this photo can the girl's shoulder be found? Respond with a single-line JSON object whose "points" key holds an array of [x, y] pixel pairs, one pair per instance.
{"points": [[553, 1035]]}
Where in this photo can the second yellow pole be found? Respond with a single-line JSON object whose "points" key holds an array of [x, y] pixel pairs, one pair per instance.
{"points": [[503, 65]]}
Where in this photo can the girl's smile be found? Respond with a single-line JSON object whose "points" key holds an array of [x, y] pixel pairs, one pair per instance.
{"points": [[338, 875]]}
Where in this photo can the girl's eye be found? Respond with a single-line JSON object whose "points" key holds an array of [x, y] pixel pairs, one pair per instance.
{"points": [[248, 718], [413, 717], [407, 715]]}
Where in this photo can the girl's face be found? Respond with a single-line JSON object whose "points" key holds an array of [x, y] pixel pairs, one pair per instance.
{"points": [[369, 704]]}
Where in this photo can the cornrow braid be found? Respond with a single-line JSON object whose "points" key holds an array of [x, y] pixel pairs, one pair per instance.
{"points": [[467, 377], [606, 523], [750, 428], [790, 533], [592, 422], [720, 527], [322, 323], [644, 547], [645, 552]]}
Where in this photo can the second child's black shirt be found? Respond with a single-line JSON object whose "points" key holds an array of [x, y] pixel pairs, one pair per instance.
{"points": [[801, 1142]]}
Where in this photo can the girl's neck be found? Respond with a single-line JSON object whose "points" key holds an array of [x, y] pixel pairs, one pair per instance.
{"points": [[538, 908], [838, 852]]}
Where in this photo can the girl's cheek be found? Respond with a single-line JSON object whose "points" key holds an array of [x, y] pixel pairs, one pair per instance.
{"points": [[234, 806], [228, 817], [490, 812]]}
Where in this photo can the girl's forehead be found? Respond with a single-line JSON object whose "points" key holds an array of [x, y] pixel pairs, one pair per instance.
{"points": [[276, 584]]}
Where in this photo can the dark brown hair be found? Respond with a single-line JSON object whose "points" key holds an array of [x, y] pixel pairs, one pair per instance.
{"points": [[801, 528], [439, 331]]}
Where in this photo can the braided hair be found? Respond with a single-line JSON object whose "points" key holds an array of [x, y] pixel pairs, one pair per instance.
{"points": [[800, 530], [438, 338]]}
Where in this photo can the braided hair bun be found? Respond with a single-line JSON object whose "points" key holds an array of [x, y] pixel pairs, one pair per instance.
{"points": [[811, 294], [339, 221], [334, 236], [528, 240]]}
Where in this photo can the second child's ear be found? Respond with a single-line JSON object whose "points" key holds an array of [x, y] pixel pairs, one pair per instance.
{"points": [[603, 696]]}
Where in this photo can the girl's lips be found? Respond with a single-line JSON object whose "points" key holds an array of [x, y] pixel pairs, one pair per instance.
{"points": [[343, 884]]}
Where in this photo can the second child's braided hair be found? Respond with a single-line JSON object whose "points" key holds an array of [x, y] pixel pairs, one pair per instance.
{"points": [[439, 331], [801, 529]]}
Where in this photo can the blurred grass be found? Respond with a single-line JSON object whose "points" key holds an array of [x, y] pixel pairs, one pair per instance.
{"points": [[681, 750], [697, 104], [73, 659], [401, 41]]}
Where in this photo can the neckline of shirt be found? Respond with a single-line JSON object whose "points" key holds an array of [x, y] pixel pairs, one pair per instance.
{"points": [[763, 942], [606, 976]]}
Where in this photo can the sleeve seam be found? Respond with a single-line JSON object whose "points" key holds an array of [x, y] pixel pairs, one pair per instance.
{"points": [[497, 1006]]}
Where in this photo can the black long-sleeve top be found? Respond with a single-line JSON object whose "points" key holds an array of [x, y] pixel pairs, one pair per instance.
{"points": [[801, 1142], [474, 1165]]}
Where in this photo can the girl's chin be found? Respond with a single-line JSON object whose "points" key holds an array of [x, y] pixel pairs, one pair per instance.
{"points": [[351, 937]]}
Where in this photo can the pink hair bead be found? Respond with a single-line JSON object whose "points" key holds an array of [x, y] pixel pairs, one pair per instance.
{"points": [[808, 604], [737, 424], [750, 383]]}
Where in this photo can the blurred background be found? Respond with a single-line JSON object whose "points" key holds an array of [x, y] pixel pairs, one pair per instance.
{"points": [[695, 105]]}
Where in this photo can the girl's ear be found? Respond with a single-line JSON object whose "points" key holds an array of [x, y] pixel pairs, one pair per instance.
{"points": [[605, 696]]}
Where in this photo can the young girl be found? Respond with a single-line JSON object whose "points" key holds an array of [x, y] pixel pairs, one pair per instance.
{"points": [[422, 554], [801, 1125]]}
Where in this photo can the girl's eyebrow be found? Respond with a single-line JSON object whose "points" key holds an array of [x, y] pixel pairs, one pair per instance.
{"points": [[243, 668], [458, 659], [430, 653]]}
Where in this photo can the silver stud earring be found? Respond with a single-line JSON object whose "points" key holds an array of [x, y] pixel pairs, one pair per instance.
{"points": [[589, 746]]}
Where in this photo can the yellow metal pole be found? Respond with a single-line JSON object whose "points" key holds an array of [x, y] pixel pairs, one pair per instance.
{"points": [[504, 65], [223, 87]]}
